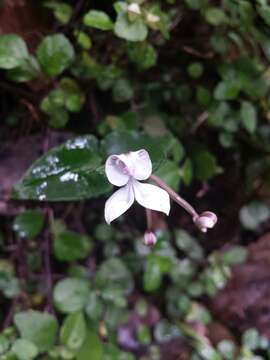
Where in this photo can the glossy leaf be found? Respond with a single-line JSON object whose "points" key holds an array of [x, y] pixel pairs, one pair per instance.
{"points": [[71, 171]]}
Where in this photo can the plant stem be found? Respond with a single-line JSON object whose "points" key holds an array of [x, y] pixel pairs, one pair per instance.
{"points": [[174, 196], [149, 219]]}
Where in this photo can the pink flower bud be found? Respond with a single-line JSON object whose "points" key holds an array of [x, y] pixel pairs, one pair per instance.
{"points": [[206, 220], [150, 238]]}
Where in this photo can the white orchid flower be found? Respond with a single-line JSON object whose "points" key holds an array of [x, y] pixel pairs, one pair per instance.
{"points": [[126, 171]]}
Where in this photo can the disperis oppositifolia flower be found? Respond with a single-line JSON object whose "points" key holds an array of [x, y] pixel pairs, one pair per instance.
{"points": [[126, 171]]}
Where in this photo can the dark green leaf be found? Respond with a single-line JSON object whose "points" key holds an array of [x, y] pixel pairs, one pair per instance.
{"points": [[61, 10], [205, 165], [55, 54], [122, 90], [71, 246], [28, 224], [119, 142], [169, 172], [69, 172], [142, 54]]}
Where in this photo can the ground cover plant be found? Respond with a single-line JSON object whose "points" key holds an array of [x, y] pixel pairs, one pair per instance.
{"points": [[183, 85]]}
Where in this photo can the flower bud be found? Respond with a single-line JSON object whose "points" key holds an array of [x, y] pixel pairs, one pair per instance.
{"points": [[153, 18], [150, 238], [134, 8], [205, 221]]}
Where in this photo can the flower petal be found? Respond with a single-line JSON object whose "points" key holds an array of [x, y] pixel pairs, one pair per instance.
{"points": [[118, 203], [116, 170], [141, 163], [152, 197]]}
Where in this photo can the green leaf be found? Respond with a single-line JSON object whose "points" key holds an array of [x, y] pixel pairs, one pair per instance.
{"points": [[122, 90], [227, 349], [71, 246], [152, 276], [98, 19], [195, 70], [165, 331], [61, 10], [70, 295], [227, 90], [253, 214], [91, 348], [235, 255], [170, 173], [13, 51], [132, 31], [249, 116], [73, 96], [264, 12], [73, 331], [215, 16], [142, 54], [188, 245], [28, 224], [24, 349], [83, 39], [114, 275], [119, 142], [205, 165], [94, 306], [68, 172], [55, 54], [251, 339], [195, 4], [28, 69], [37, 327], [143, 335], [186, 172]]}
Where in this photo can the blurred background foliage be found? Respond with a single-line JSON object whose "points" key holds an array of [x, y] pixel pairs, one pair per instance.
{"points": [[189, 81]]}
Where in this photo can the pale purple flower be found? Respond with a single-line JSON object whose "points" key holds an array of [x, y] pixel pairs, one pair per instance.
{"points": [[126, 171]]}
